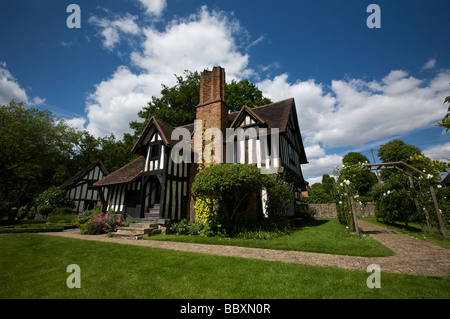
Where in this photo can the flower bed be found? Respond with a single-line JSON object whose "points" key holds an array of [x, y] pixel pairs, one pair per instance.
{"points": [[103, 223]]}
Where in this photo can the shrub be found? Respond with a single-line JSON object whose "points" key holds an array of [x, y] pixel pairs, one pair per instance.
{"points": [[45, 210], [280, 196], [104, 223], [31, 213], [94, 228], [67, 218], [229, 187], [204, 212], [54, 197], [185, 227], [62, 211], [305, 213], [395, 200], [23, 212], [12, 213]]}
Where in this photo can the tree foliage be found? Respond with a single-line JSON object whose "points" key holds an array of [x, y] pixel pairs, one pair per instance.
{"points": [[177, 103], [32, 144], [394, 151], [54, 197], [232, 191], [445, 122], [243, 93]]}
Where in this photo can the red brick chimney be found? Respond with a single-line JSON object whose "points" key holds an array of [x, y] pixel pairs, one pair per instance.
{"points": [[212, 108], [213, 113]]}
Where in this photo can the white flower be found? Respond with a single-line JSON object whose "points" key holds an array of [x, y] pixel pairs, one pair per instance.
{"points": [[356, 196], [388, 192], [429, 176], [384, 194], [340, 202], [341, 184], [439, 186], [347, 182]]}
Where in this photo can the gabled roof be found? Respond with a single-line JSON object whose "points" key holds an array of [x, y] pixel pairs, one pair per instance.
{"points": [[164, 129], [126, 174], [246, 111], [274, 115], [75, 178]]}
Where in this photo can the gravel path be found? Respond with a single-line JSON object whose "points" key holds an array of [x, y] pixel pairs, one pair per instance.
{"points": [[412, 255]]}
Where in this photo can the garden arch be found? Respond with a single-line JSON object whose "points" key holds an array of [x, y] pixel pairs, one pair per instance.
{"points": [[413, 173]]}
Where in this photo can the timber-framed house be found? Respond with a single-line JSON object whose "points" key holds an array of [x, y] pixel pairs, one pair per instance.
{"points": [[158, 183]]}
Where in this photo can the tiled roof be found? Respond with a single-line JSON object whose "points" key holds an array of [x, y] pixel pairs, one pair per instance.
{"points": [[126, 174]]}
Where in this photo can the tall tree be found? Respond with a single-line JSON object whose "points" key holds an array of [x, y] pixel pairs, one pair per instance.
{"points": [[364, 181], [176, 106], [397, 150], [243, 93], [32, 144], [393, 151]]}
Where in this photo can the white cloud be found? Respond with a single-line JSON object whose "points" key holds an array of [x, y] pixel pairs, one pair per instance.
{"points": [[203, 40], [111, 29], [77, 123], [355, 111], [154, 7], [314, 180], [9, 87], [319, 162], [429, 65], [438, 152]]}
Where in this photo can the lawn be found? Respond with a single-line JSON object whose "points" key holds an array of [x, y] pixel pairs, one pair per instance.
{"points": [[322, 236], [34, 266]]}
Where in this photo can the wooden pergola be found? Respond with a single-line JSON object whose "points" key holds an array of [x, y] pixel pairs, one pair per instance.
{"points": [[414, 173]]}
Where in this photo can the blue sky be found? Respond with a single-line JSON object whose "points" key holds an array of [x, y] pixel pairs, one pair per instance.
{"points": [[355, 87]]}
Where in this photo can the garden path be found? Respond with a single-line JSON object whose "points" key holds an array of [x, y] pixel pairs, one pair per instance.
{"points": [[412, 255]]}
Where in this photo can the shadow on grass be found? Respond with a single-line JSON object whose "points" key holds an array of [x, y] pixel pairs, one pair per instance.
{"points": [[315, 223], [410, 228]]}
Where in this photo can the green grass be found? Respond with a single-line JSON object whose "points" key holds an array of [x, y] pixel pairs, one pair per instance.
{"points": [[322, 236], [34, 266], [414, 230]]}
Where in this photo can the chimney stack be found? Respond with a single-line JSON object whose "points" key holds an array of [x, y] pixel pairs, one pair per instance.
{"points": [[212, 109]]}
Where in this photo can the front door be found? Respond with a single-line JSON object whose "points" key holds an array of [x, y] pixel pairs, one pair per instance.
{"points": [[133, 203]]}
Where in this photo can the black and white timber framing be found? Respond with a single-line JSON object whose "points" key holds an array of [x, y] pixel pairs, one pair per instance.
{"points": [[154, 182], [79, 187]]}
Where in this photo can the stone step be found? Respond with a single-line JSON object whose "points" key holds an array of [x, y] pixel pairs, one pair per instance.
{"points": [[144, 224], [143, 228]]}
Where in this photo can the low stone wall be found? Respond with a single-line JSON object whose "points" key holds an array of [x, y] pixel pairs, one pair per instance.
{"points": [[329, 210]]}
